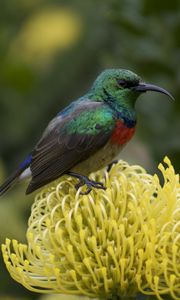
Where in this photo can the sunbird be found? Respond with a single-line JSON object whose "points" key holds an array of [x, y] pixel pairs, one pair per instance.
{"points": [[87, 135]]}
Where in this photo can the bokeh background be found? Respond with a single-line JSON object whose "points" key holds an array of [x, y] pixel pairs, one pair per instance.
{"points": [[50, 52]]}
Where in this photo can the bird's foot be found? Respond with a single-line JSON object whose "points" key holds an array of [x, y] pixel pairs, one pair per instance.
{"points": [[111, 164], [84, 180]]}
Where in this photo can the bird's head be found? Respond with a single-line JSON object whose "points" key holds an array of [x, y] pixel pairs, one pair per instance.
{"points": [[123, 85]]}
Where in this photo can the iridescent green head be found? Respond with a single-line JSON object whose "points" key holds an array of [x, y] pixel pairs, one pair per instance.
{"points": [[122, 86]]}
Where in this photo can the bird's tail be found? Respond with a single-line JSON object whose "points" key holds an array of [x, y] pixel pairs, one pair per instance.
{"points": [[14, 177], [10, 181]]}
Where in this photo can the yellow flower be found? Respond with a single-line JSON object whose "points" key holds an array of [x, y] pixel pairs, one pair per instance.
{"points": [[119, 242], [46, 33]]}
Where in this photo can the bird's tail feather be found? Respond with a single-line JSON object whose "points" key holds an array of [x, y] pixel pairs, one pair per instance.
{"points": [[10, 181], [15, 176]]}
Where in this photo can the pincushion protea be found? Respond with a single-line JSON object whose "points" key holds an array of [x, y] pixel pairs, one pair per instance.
{"points": [[112, 243]]}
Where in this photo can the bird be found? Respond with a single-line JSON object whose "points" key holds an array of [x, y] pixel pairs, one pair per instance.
{"points": [[87, 135]]}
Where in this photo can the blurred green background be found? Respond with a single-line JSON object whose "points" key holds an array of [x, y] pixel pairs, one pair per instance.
{"points": [[50, 52]]}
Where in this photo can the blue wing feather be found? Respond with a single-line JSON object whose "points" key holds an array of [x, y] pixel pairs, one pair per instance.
{"points": [[26, 162]]}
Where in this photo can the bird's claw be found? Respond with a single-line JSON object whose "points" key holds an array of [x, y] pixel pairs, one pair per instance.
{"points": [[84, 180], [92, 184], [111, 164], [79, 184]]}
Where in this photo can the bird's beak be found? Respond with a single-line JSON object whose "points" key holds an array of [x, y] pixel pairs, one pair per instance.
{"points": [[144, 87]]}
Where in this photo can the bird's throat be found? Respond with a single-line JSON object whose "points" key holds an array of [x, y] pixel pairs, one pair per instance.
{"points": [[123, 109]]}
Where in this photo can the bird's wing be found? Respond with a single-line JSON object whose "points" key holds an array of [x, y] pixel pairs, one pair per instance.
{"points": [[69, 139]]}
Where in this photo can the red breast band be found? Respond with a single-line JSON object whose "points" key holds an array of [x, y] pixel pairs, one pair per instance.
{"points": [[122, 134]]}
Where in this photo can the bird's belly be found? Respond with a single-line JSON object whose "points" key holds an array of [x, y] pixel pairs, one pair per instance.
{"points": [[99, 160], [120, 136]]}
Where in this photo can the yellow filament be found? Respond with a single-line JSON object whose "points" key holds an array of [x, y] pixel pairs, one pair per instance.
{"points": [[119, 241]]}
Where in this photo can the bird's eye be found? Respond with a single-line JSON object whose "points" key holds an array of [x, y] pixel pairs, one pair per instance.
{"points": [[126, 84], [122, 83]]}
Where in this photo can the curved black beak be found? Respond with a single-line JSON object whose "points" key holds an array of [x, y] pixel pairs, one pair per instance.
{"points": [[144, 87]]}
